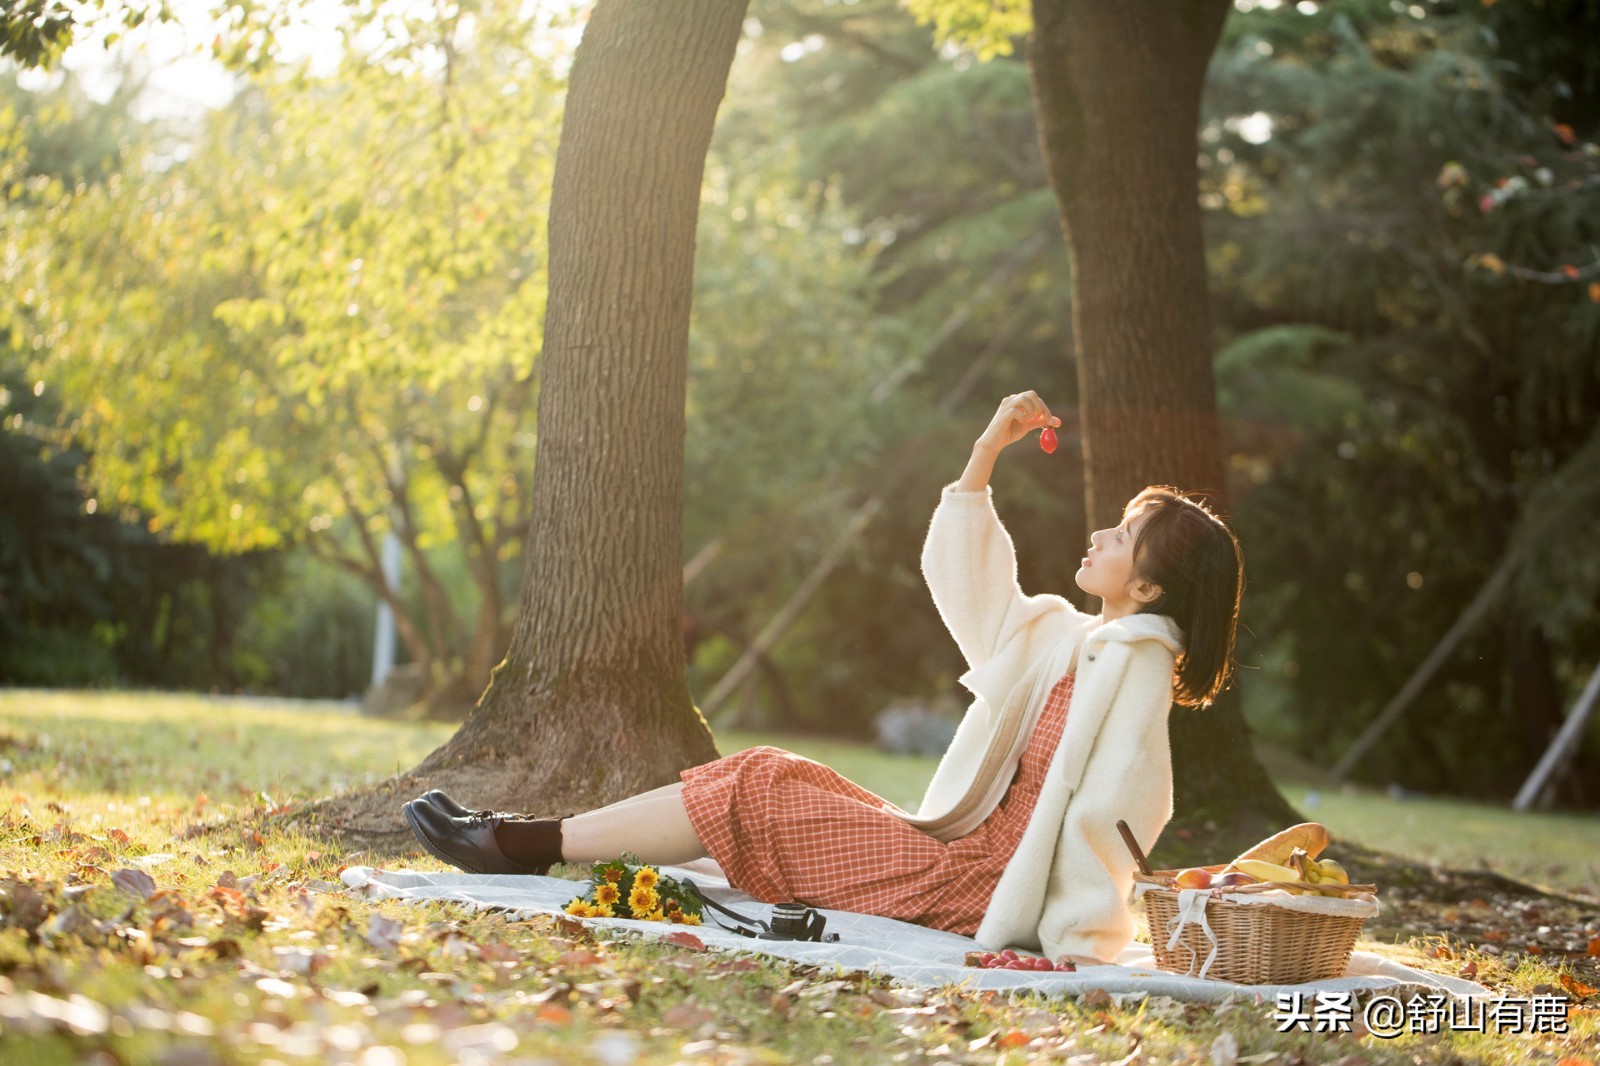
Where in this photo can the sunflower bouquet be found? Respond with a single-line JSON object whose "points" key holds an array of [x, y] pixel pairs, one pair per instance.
{"points": [[627, 888]]}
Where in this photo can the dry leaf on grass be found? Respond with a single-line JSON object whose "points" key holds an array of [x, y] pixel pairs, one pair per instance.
{"points": [[134, 882]]}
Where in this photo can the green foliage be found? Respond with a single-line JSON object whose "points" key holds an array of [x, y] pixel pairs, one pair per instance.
{"points": [[987, 27], [328, 312], [1404, 399], [34, 33], [85, 598]]}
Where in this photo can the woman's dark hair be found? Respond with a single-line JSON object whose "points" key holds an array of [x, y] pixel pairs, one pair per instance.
{"points": [[1191, 553]]}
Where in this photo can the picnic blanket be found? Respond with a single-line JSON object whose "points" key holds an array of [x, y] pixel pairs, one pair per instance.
{"points": [[907, 954]]}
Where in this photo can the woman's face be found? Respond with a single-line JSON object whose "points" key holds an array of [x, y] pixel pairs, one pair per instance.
{"points": [[1107, 569]]}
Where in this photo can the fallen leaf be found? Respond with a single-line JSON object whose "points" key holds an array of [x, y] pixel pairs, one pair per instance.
{"points": [[1097, 997], [135, 882], [579, 958], [1576, 987], [27, 908], [555, 1013], [688, 940], [1594, 945], [118, 835], [1469, 970], [490, 951], [384, 933], [1013, 1038], [686, 1016]]}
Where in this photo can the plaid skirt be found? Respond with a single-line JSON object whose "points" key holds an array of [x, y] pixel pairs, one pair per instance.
{"points": [[784, 827]]}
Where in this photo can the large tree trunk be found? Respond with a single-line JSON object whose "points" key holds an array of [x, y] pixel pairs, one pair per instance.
{"points": [[1116, 89], [592, 701]]}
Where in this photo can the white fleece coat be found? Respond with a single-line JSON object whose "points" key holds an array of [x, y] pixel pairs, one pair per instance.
{"points": [[1065, 889]]}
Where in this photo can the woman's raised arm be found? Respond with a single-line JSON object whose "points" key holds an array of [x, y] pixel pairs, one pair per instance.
{"points": [[968, 559], [1016, 417]]}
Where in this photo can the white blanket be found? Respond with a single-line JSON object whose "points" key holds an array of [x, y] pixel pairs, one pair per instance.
{"points": [[907, 954]]}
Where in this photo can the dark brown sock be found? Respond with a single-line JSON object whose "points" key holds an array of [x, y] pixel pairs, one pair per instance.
{"points": [[530, 841]]}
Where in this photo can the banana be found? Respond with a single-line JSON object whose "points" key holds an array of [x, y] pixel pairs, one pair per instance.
{"points": [[1266, 871], [1328, 870], [1312, 836]]}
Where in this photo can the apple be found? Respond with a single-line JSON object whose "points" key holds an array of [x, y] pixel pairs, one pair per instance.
{"points": [[1194, 877]]}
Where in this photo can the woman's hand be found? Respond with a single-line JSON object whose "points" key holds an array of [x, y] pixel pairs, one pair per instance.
{"points": [[1017, 417]]}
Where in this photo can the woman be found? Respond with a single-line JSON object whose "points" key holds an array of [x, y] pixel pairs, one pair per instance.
{"points": [[1015, 841]]}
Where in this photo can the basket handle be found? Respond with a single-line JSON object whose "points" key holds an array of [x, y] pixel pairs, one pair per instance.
{"points": [[1133, 846]]}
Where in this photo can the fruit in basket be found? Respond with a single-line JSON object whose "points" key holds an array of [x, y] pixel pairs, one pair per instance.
{"points": [[1327, 872], [1194, 877], [1232, 879], [1312, 836], [1266, 871]]}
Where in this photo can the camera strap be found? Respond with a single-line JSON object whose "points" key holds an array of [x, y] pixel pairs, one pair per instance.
{"points": [[743, 929]]}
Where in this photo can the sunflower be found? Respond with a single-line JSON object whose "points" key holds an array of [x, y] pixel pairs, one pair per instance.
{"points": [[643, 898], [653, 916], [606, 894], [602, 910], [646, 877], [579, 908], [612, 874], [689, 919]]}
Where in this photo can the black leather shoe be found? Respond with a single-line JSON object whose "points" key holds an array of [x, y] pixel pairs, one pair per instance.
{"points": [[466, 843], [435, 797]]}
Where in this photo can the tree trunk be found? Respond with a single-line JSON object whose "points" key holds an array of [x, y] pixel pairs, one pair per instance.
{"points": [[592, 702], [1116, 89]]}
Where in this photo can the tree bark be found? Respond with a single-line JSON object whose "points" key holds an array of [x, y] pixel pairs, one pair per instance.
{"points": [[592, 702], [1116, 88]]}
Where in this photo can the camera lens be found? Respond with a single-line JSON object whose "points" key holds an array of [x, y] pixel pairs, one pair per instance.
{"points": [[789, 920]]}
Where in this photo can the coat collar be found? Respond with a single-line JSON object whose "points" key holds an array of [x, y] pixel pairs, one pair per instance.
{"points": [[1135, 627], [995, 679]]}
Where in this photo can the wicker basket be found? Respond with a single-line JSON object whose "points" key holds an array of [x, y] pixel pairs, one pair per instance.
{"points": [[1256, 942]]}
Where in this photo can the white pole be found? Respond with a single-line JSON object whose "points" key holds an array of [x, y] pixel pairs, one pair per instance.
{"points": [[1566, 739], [383, 638], [389, 562]]}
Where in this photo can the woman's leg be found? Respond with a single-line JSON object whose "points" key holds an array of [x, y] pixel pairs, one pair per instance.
{"points": [[653, 825]]}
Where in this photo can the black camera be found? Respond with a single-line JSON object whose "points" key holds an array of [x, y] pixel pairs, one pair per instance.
{"points": [[790, 921], [796, 921]]}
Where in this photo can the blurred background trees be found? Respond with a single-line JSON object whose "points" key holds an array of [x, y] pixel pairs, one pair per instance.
{"points": [[1404, 280]]}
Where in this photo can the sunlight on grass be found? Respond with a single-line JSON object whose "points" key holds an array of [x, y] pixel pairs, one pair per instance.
{"points": [[1560, 851], [242, 946], [175, 746]]}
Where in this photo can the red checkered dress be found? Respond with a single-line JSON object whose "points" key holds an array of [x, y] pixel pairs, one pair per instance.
{"points": [[784, 827]]}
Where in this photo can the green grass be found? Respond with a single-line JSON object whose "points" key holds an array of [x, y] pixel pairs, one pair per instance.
{"points": [[95, 783], [1560, 851]]}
